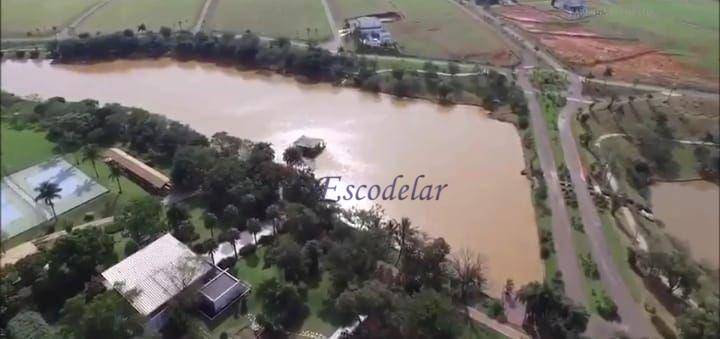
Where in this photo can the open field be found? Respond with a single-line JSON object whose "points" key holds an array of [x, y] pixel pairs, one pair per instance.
{"points": [[122, 14], [688, 28], [665, 42], [35, 149], [435, 29], [275, 18], [39, 16]]}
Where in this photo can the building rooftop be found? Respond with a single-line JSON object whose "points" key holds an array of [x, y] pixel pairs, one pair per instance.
{"points": [[154, 177], [366, 22], [156, 273], [308, 142], [221, 284]]}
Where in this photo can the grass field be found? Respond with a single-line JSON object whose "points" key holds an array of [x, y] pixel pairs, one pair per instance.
{"points": [[39, 16], [22, 148], [275, 18], [689, 28], [121, 14], [430, 28]]}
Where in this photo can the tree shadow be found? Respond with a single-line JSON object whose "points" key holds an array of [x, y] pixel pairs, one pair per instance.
{"points": [[332, 315], [252, 260]]}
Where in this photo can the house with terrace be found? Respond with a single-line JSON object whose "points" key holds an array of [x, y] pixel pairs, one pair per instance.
{"points": [[152, 277]]}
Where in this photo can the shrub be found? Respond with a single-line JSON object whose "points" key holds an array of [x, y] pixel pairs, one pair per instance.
{"points": [[28, 325], [523, 122], [20, 54], [227, 263], [266, 239], [605, 306], [131, 247], [545, 251], [247, 250], [496, 310]]}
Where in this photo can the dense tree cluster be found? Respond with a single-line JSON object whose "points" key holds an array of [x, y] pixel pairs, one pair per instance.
{"points": [[491, 89]]}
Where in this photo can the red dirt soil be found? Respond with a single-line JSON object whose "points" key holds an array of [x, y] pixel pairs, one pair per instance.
{"points": [[629, 60]]}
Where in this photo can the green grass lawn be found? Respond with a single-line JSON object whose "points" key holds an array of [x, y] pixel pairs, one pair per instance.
{"points": [[22, 148], [689, 27], [275, 18], [430, 28], [122, 14], [39, 16]]}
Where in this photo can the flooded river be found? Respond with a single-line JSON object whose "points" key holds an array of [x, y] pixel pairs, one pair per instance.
{"points": [[690, 213], [370, 139]]}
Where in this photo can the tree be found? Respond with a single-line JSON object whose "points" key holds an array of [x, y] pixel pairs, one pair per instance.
{"points": [[231, 216], [231, 235], [373, 299], [175, 214], [29, 325], [287, 255], [47, 192], [429, 314], [116, 173], [677, 267], [282, 306], [702, 322], [404, 231], [253, 226], [550, 314], [274, 213], [468, 274], [141, 218], [293, 156], [92, 153], [108, 315], [423, 265], [210, 221]]}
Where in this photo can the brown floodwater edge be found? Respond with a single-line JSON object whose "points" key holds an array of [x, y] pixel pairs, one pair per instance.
{"points": [[371, 138], [689, 210]]}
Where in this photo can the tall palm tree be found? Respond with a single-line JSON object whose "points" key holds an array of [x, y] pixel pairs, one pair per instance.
{"points": [[232, 235], [116, 173], [254, 227], [404, 231], [210, 221], [47, 192], [92, 153], [273, 212]]}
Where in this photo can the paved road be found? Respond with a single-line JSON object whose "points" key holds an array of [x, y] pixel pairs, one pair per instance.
{"points": [[203, 16], [335, 42], [562, 231], [634, 319]]}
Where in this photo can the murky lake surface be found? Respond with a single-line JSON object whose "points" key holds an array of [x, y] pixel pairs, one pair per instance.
{"points": [[370, 140], [690, 213]]}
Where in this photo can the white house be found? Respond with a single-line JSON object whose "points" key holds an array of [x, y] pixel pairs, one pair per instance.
{"points": [[157, 273]]}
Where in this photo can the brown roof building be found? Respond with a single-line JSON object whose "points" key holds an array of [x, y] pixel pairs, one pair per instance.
{"points": [[144, 175]]}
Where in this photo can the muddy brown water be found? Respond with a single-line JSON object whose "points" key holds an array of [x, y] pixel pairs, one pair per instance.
{"points": [[690, 213], [370, 139]]}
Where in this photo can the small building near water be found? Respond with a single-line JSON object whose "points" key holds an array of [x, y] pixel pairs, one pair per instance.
{"points": [[153, 276], [310, 147], [149, 178], [576, 7], [370, 30]]}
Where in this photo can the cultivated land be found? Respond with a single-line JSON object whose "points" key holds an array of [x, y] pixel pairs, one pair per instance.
{"points": [[297, 19], [435, 29], [122, 14], [39, 16]]}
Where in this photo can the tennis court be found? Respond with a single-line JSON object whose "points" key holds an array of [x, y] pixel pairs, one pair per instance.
{"points": [[20, 212]]}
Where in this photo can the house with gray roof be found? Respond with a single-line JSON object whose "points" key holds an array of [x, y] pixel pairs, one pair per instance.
{"points": [[152, 277]]}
